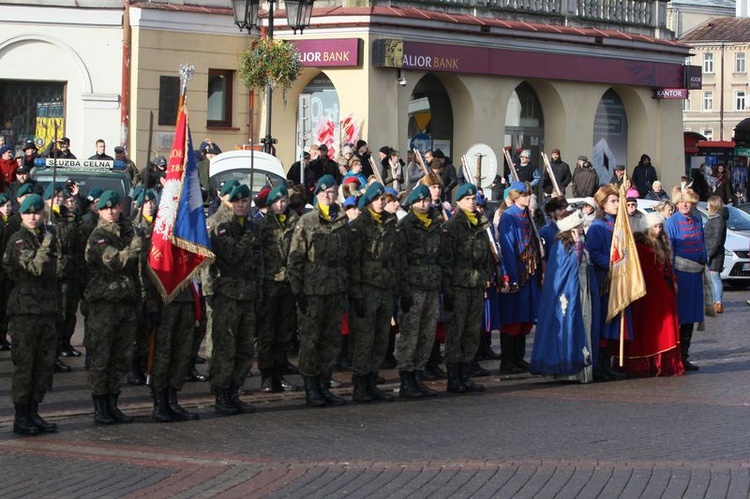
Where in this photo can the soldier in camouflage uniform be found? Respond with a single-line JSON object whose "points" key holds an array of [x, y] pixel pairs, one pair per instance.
{"points": [[240, 265], [112, 254], [317, 275], [372, 261], [418, 247], [30, 262], [5, 283], [89, 221], [278, 317], [465, 261]]}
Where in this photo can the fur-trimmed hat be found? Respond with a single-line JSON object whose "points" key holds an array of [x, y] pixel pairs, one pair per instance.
{"points": [[603, 193], [431, 178], [569, 221], [680, 195], [651, 219]]}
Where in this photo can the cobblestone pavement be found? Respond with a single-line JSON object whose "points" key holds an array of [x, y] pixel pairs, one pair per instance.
{"points": [[524, 437]]}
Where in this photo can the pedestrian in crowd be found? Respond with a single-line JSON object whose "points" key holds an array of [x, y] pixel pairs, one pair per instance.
{"points": [[355, 171], [554, 209], [560, 170], [448, 175], [324, 165], [635, 217], [464, 262], [208, 151], [413, 173], [130, 168], [112, 254], [261, 203], [59, 149], [588, 212], [657, 193], [8, 167], [644, 175], [562, 341], [30, 153], [318, 257], [236, 293], [394, 174], [698, 184], [30, 262], [722, 189], [417, 252], [685, 232], [527, 171], [523, 265], [585, 180], [655, 349], [277, 319], [715, 232], [619, 177], [665, 207], [294, 175], [5, 283], [371, 264], [101, 152], [630, 191], [23, 177]]}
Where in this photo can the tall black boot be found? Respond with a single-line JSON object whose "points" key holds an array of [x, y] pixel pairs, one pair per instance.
{"points": [[234, 397], [360, 393], [485, 351], [176, 412], [371, 384], [325, 391], [101, 411], [223, 404], [605, 364], [686, 337], [454, 385], [40, 423], [408, 388], [267, 384], [114, 411], [426, 390], [22, 423], [519, 351], [465, 374], [313, 398], [161, 412], [507, 352]]}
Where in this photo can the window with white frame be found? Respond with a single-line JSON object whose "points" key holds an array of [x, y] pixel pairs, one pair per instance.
{"points": [[708, 100], [686, 104], [739, 100], [708, 133], [708, 62], [739, 62]]}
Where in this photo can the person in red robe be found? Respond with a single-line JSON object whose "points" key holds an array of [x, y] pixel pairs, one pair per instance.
{"points": [[655, 349]]}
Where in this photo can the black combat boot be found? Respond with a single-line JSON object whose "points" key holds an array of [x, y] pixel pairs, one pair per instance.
{"points": [[519, 352], [194, 375], [289, 368], [476, 369], [234, 397], [161, 412], [101, 411], [60, 366], [135, 374], [454, 384], [507, 365], [360, 393], [313, 398], [224, 405], [686, 337], [267, 384], [114, 411], [426, 390], [176, 412], [371, 385], [40, 423], [408, 388], [464, 373], [485, 351], [286, 386], [325, 391], [22, 423]]}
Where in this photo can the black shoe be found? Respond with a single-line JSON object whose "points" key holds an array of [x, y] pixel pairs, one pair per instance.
{"points": [[40, 423], [434, 370], [521, 364], [69, 351], [60, 367], [408, 387], [689, 366], [428, 374], [477, 371], [136, 378], [224, 405], [194, 375], [325, 392], [288, 386], [23, 425], [605, 364], [454, 384], [371, 385], [176, 412], [487, 353], [508, 367], [464, 373], [332, 383], [267, 382], [426, 390], [389, 362], [114, 411], [101, 411], [234, 397], [161, 412], [359, 394], [289, 368], [313, 398]]}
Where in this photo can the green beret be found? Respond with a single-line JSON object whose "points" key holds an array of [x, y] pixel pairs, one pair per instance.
{"points": [[32, 204], [150, 195], [325, 182], [228, 186], [419, 193], [27, 188], [96, 193], [373, 192], [137, 190], [465, 190], [48, 191], [4, 198], [276, 193], [108, 199], [240, 192]]}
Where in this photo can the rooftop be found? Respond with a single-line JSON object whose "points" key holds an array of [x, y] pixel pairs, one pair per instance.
{"points": [[720, 29]]}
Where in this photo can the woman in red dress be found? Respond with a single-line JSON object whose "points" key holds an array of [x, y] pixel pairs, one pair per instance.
{"points": [[655, 350]]}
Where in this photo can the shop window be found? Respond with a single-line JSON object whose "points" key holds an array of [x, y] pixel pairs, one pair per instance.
{"points": [[31, 110], [739, 62], [219, 108], [169, 99], [708, 62], [708, 100], [739, 100]]}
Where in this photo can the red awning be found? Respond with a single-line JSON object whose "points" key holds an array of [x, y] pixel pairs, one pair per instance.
{"points": [[715, 144], [691, 139]]}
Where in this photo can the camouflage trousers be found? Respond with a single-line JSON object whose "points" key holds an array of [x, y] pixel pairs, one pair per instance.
{"points": [[68, 297], [417, 330], [6, 285], [33, 344], [320, 334], [233, 334], [464, 325], [173, 346], [109, 341], [209, 331], [369, 335], [276, 325]]}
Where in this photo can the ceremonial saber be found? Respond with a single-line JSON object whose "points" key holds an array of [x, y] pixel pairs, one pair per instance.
{"points": [[548, 167], [534, 229]]}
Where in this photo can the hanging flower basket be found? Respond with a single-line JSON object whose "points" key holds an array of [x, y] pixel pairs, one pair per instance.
{"points": [[269, 63]]}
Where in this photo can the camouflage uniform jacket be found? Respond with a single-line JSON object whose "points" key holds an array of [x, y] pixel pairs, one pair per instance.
{"points": [[418, 250], [32, 265], [318, 255], [210, 274], [238, 259], [69, 259], [373, 253], [112, 253], [465, 252], [147, 290], [275, 239]]}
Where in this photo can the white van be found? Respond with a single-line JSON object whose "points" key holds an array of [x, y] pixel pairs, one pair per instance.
{"points": [[252, 168]]}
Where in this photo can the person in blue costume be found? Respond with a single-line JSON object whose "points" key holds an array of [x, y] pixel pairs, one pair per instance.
{"points": [[554, 209], [685, 233], [562, 341], [598, 244], [523, 265]]}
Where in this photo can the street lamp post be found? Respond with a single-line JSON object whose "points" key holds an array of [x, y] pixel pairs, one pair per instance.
{"points": [[246, 15]]}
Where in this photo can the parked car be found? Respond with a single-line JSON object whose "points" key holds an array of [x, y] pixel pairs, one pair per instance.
{"points": [[252, 168]]}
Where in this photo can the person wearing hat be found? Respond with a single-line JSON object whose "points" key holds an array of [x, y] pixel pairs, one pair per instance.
{"points": [[560, 170], [644, 175], [208, 151], [619, 177], [585, 181], [59, 149], [465, 260], [588, 212], [112, 254], [236, 293], [685, 233], [554, 209], [156, 171], [101, 152], [88, 223], [656, 353], [635, 217], [8, 167], [277, 319], [562, 340], [371, 265], [324, 165], [527, 171], [418, 252], [261, 203], [316, 267], [355, 172], [130, 168], [30, 153], [523, 266], [30, 262]]}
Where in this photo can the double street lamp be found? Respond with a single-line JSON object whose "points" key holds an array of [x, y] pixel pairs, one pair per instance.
{"points": [[246, 16]]}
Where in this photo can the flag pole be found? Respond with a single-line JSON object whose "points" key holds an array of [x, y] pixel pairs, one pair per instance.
{"points": [[622, 335]]}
